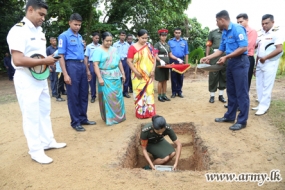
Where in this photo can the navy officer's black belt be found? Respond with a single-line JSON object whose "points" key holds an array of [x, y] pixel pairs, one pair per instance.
{"points": [[75, 60]]}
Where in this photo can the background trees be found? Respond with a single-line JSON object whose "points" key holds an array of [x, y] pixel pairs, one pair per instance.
{"points": [[128, 15], [11, 13]]}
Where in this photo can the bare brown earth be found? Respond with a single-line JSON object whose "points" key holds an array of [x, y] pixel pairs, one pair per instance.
{"points": [[92, 159]]}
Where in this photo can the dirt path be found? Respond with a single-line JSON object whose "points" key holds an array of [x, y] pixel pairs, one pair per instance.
{"points": [[92, 159]]}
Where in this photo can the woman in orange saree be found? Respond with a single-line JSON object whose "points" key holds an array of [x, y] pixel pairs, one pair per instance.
{"points": [[141, 60]]}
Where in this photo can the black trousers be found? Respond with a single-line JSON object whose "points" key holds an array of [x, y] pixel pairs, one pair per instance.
{"points": [[250, 70], [60, 84]]}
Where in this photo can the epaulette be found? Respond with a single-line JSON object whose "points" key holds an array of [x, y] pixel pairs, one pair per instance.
{"points": [[144, 129], [168, 127], [259, 33], [276, 28], [20, 24]]}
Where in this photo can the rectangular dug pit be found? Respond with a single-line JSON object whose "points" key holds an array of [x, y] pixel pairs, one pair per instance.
{"points": [[194, 154]]}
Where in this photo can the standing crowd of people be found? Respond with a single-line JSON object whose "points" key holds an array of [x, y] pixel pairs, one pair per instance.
{"points": [[131, 67]]}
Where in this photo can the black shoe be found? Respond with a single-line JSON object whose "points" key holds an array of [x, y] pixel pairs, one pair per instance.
{"points": [[173, 96], [161, 99], [165, 98], [92, 100], [60, 99], [64, 93], [180, 95], [78, 128], [126, 95], [222, 99], [226, 105], [212, 99], [89, 123], [54, 95], [131, 91], [223, 119], [237, 126]]}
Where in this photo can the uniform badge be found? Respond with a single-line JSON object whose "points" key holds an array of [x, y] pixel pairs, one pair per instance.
{"points": [[60, 43], [33, 38], [43, 39], [209, 43], [241, 37], [144, 143], [20, 24]]}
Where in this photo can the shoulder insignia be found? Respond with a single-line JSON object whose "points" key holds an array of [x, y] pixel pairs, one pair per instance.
{"points": [[20, 24], [275, 29], [168, 127], [146, 129]]}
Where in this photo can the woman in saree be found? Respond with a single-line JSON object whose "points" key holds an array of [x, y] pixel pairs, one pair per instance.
{"points": [[109, 71], [141, 60]]}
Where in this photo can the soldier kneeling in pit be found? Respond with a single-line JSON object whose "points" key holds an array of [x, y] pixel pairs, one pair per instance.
{"points": [[152, 141]]}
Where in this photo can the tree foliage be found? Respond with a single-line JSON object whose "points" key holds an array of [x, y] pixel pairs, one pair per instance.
{"points": [[128, 15], [11, 13]]}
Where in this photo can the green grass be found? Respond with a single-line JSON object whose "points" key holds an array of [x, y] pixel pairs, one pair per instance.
{"points": [[277, 114]]}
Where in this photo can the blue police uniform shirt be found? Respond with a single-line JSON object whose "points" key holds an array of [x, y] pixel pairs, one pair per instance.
{"points": [[90, 49], [122, 49], [233, 38], [71, 45], [179, 48], [50, 50]]}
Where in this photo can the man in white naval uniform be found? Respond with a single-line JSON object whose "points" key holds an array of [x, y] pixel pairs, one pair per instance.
{"points": [[267, 64], [25, 39]]}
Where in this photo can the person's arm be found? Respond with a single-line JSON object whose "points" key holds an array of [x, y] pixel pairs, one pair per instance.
{"points": [[130, 62], [178, 153], [147, 157], [98, 74], [186, 58], [208, 48], [278, 50], [237, 52], [186, 53], [61, 51], [19, 59], [87, 71], [172, 56], [213, 55], [122, 71], [209, 43], [86, 60]]}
